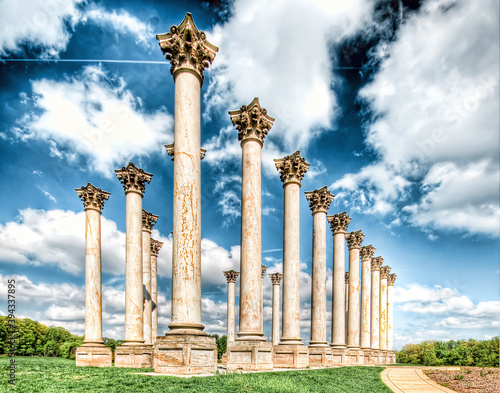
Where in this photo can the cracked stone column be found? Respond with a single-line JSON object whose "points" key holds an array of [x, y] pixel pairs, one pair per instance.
{"points": [[391, 278], [231, 277], [276, 281], [264, 268], [338, 225], [292, 169], [354, 240], [375, 309], [384, 273], [148, 221], [134, 182], [365, 344], [319, 202], [189, 53], [253, 124], [93, 352], [155, 250]]}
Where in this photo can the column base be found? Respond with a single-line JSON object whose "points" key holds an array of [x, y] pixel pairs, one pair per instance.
{"points": [[368, 356], [356, 356], [93, 356], [340, 356], [134, 356], [291, 356], [391, 357], [249, 355], [383, 357], [184, 354], [320, 357]]}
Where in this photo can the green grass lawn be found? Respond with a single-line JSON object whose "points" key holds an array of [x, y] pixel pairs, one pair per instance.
{"points": [[39, 375]]}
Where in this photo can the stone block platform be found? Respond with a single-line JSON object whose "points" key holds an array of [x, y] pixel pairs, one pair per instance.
{"points": [[291, 356], [93, 356], [135, 356], [320, 357], [249, 355]]}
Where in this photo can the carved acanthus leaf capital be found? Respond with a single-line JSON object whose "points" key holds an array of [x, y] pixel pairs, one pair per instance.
{"points": [[319, 200], [346, 277], [156, 246], [92, 197], [187, 47], [339, 222], [252, 121], [367, 252], [391, 278], [231, 276], [354, 239], [384, 271], [148, 220], [377, 263], [292, 168], [263, 270], [133, 178], [276, 278], [171, 152]]}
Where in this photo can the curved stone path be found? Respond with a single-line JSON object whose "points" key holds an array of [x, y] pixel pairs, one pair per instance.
{"points": [[411, 380]]}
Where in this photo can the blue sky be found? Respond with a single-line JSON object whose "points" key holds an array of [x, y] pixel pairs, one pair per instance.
{"points": [[394, 104]]}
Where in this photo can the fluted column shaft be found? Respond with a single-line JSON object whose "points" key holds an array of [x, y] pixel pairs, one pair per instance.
{"points": [[375, 308]]}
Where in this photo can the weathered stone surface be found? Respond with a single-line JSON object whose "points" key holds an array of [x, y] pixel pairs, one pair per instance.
{"points": [[252, 122], [354, 240], [148, 221], [93, 356], [375, 306], [249, 355], [231, 277], [291, 356], [171, 152], [155, 249], [276, 281], [366, 254], [320, 356], [391, 278], [133, 178], [384, 272], [135, 356]]}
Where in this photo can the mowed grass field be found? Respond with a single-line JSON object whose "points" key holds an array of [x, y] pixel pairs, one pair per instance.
{"points": [[39, 375]]}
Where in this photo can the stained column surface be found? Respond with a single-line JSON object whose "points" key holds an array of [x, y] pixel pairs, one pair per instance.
{"points": [[148, 221], [276, 280], [292, 169], [354, 240], [375, 308], [338, 225], [155, 249], [346, 310], [231, 277], [93, 201], [253, 124], [390, 317], [263, 271], [319, 201], [384, 272], [133, 180], [366, 254]]}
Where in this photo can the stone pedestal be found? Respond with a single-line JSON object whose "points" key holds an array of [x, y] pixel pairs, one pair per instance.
{"points": [[249, 355], [320, 356], [134, 356], [95, 356], [185, 354], [340, 356], [291, 356]]}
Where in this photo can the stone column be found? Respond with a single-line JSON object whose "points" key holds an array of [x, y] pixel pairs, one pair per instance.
{"points": [[276, 281], [354, 240], [292, 169], [384, 273], [148, 221], [231, 277], [189, 53], [346, 311], [253, 124], [375, 309], [134, 182], [93, 352], [366, 255], [391, 278], [338, 225], [263, 271], [155, 250]]}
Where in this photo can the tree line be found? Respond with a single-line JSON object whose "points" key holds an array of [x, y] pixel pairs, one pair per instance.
{"points": [[479, 353]]}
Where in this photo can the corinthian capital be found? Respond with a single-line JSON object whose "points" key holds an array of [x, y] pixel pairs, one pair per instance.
{"points": [[354, 239], [384, 271], [319, 200], [231, 276], [252, 121], [263, 270], [367, 252], [92, 197], [133, 178], [156, 246], [377, 263], [339, 222], [187, 48], [391, 278], [276, 278], [292, 168], [148, 220]]}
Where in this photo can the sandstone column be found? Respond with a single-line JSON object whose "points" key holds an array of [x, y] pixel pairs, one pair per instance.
{"points": [[253, 124], [391, 278], [366, 255], [346, 276], [263, 271], [189, 53], [134, 182], [276, 280], [93, 352], [148, 221], [375, 309], [155, 250], [231, 277], [384, 273], [354, 240], [292, 169], [338, 225]]}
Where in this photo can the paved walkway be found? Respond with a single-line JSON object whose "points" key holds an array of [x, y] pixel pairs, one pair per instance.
{"points": [[411, 380]]}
